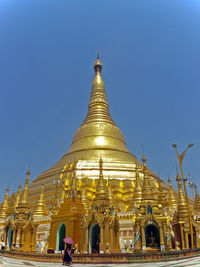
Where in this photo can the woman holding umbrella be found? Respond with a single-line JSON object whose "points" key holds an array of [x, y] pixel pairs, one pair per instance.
{"points": [[67, 260]]}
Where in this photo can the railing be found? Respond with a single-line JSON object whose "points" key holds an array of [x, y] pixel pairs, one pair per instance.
{"points": [[105, 258]]}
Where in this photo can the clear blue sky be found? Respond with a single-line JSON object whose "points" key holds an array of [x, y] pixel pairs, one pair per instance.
{"points": [[150, 52]]}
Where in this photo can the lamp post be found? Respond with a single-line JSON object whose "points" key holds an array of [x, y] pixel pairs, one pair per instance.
{"points": [[180, 159]]}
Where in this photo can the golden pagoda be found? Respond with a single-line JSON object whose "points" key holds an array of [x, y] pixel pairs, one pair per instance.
{"points": [[4, 207], [98, 194], [172, 203]]}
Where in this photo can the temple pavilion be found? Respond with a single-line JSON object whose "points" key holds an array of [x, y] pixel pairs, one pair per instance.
{"points": [[100, 195]]}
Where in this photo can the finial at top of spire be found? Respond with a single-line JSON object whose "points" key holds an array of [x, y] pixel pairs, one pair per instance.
{"points": [[7, 189], [98, 64], [143, 156], [28, 171], [144, 159]]}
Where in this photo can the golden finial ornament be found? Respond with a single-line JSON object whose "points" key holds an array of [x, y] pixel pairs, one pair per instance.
{"points": [[98, 64], [144, 160], [24, 199]]}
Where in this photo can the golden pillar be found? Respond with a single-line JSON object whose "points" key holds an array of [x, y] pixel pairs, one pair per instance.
{"points": [[143, 236], [18, 237], [86, 239], [83, 240], [6, 233], [107, 239], [161, 236], [112, 245], [182, 237], [101, 237], [197, 238], [14, 238], [186, 239], [33, 234], [116, 240], [166, 243], [22, 238]]}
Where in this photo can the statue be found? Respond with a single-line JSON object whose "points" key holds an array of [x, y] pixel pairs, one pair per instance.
{"points": [[107, 248], [177, 245], [76, 251], [167, 236], [125, 247], [152, 240], [128, 246], [131, 246], [137, 237]]}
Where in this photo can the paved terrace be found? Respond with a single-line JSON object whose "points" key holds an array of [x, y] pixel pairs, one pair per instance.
{"points": [[10, 262]]}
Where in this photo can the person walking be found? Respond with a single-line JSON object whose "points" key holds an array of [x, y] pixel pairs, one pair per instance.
{"points": [[3, 245], [67, 260]]}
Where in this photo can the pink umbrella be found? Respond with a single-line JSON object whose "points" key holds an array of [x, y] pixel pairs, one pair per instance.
{"points": [[68, 240]]}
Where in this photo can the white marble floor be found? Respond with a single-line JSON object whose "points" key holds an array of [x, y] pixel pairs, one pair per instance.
{"points": [[9, 262]]}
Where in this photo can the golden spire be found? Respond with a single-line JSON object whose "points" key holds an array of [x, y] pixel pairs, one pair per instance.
{"points": [[161, 194], [24, 199], [144, 161], [101, 191], [18, 196], [138, 189], [147, 190], [4, 207], [171, 198], [182, 205], [98, 130], [98, 110], [41, 209]]}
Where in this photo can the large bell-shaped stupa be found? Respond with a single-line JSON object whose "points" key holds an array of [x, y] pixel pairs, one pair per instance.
{"points": [[98, 137]]}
